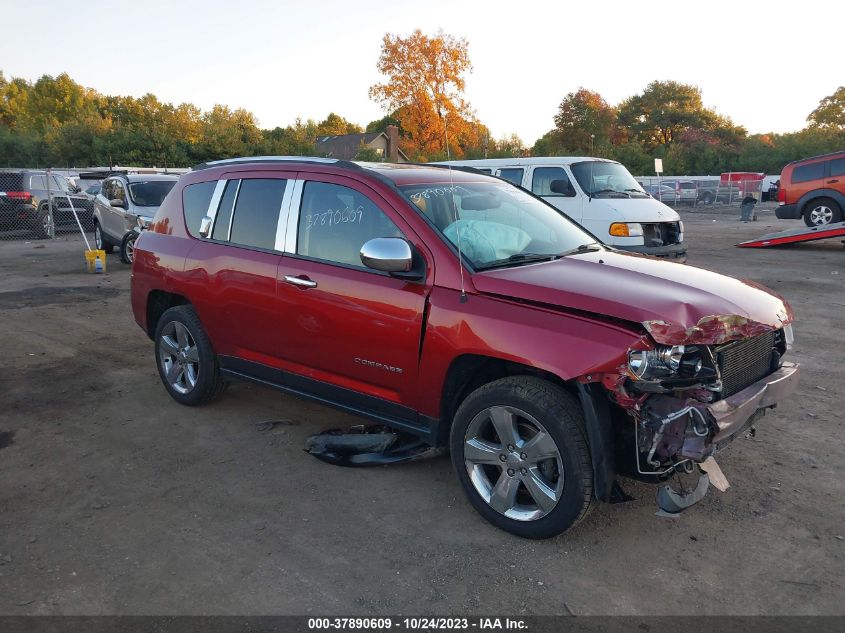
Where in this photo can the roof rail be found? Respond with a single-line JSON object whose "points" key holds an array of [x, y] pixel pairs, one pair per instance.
{"points": [[469, 170], [276, 159]]}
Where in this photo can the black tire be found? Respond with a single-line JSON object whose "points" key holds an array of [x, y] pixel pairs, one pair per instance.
{"points": [[822, 208], [561, 417], [207, 383], [41, 228], [707, 197], [101, 242], [127, 247]]}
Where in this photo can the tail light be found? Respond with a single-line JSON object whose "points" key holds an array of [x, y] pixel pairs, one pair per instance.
{"points": [[24, 196], [782, 195]]}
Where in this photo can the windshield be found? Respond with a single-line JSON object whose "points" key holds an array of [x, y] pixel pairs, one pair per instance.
{"points": [[150, 194], [497, 223], [601, 179]]}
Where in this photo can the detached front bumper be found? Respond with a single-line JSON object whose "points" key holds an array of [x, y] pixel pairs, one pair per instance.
{"points": [[736, 413]]}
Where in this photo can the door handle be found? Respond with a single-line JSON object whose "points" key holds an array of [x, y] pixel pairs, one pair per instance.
{"points": [[300, 281], [830, 182]]}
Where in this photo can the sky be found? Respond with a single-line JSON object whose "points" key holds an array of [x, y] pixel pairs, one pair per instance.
{"points": [[761, 63]]}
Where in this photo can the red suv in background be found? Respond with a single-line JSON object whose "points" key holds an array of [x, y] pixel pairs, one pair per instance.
{"points": [[464, 310], [813, 189]]}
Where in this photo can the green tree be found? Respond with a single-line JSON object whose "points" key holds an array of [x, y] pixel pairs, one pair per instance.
{"points": [[662, 112], [831, 111], [334, 124], [584, 121]]}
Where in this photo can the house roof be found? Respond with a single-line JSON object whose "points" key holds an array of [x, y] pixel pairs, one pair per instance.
{"points": [[345, 146]]}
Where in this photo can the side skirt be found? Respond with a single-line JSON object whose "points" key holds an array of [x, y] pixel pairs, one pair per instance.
{"points": [[381, 411]]}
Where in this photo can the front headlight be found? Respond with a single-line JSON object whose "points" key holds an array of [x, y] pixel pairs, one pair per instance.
{"points": [[660, 362], [626, 229]]}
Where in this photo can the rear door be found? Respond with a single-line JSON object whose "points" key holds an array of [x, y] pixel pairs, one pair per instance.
{"points": [[346, 327], [807, 177], [234, 269]]}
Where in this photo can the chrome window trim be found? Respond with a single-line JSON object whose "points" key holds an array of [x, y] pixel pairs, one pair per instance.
{"points": [[211, 212], [284, 215], [293, 216], [234, 208]]}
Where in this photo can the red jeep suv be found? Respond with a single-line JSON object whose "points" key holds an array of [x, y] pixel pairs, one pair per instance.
{"points": [[466, 311]]}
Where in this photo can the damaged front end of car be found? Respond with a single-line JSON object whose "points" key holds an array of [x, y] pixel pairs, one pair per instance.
{"points": [[691, 391]]}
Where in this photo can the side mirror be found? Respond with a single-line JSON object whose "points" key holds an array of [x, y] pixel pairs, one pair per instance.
{"points": [[562, 187], [205, 226], [387, 254], [118, 203], [73, 189]]}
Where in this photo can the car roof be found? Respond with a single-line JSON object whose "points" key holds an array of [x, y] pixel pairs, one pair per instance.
{"points": [[398, 174]]}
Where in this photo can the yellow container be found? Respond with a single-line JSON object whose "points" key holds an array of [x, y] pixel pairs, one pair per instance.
{"points": [[95, 261]]}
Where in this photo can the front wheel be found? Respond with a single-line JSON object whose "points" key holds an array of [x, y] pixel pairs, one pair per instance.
{"points": [[520, 451], [127, 247], [186, 361], [821, 212]]}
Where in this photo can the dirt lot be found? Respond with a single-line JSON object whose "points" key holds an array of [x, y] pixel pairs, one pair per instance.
{"points": [[116, 500]]}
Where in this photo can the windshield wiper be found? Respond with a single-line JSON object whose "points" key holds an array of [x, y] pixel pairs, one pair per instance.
{"points": [[518, 259], [640, 191], [584, 248], [595, 193]]}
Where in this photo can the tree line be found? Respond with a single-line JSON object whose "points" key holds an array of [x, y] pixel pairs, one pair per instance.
{"points": [[54, 121]]}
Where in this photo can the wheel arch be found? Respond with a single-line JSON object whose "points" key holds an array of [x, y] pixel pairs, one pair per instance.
{"points": [[808, 198], [468, 372], [158, 302]]}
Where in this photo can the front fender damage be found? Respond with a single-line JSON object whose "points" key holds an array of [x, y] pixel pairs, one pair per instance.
{"points": [[680, 425]]}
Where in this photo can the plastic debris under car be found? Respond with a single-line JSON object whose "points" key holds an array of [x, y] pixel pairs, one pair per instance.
{"points": [[368, 445]]}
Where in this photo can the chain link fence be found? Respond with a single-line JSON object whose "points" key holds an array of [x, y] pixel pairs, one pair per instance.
{"points": [[40, 204], [704, 191]]}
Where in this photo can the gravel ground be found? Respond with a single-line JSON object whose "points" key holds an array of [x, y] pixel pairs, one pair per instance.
{"points": [[116, 500]]}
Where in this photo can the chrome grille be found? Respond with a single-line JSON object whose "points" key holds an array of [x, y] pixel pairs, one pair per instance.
{"points": [[742, 363]]}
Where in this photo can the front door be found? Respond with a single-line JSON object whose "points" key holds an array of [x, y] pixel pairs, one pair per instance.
{"points": [[345, 326], [541, 180]]}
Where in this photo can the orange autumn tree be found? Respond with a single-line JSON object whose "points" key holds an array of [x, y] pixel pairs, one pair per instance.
{"points": [[424, 89]]}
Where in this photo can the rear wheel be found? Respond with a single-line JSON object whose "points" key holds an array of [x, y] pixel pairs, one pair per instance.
{"points": [[43, 226], [707, 197], [520, 451], [100, 240], [127, 247], [186, 361], [821, 212]]}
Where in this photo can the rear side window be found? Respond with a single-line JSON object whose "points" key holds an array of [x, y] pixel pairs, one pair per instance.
{"points": [[223, 220], [687, 185], [512, 175], [812, 171], [837, 167], [256, 213], [195, 201], [541, 181], [37, 183], [106, 191]]}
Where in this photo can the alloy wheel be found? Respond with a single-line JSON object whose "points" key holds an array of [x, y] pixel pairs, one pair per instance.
{"points": [[513, 463], [821, 215], [179, 357]]}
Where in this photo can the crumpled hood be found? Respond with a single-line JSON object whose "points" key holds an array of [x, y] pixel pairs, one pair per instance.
{"points": [[676, 303]]}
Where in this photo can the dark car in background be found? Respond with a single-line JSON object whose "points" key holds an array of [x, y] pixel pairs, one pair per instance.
{"points": [[24, 202]]}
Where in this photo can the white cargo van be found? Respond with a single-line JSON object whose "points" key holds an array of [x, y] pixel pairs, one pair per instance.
{"points": [[600, 195]]}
